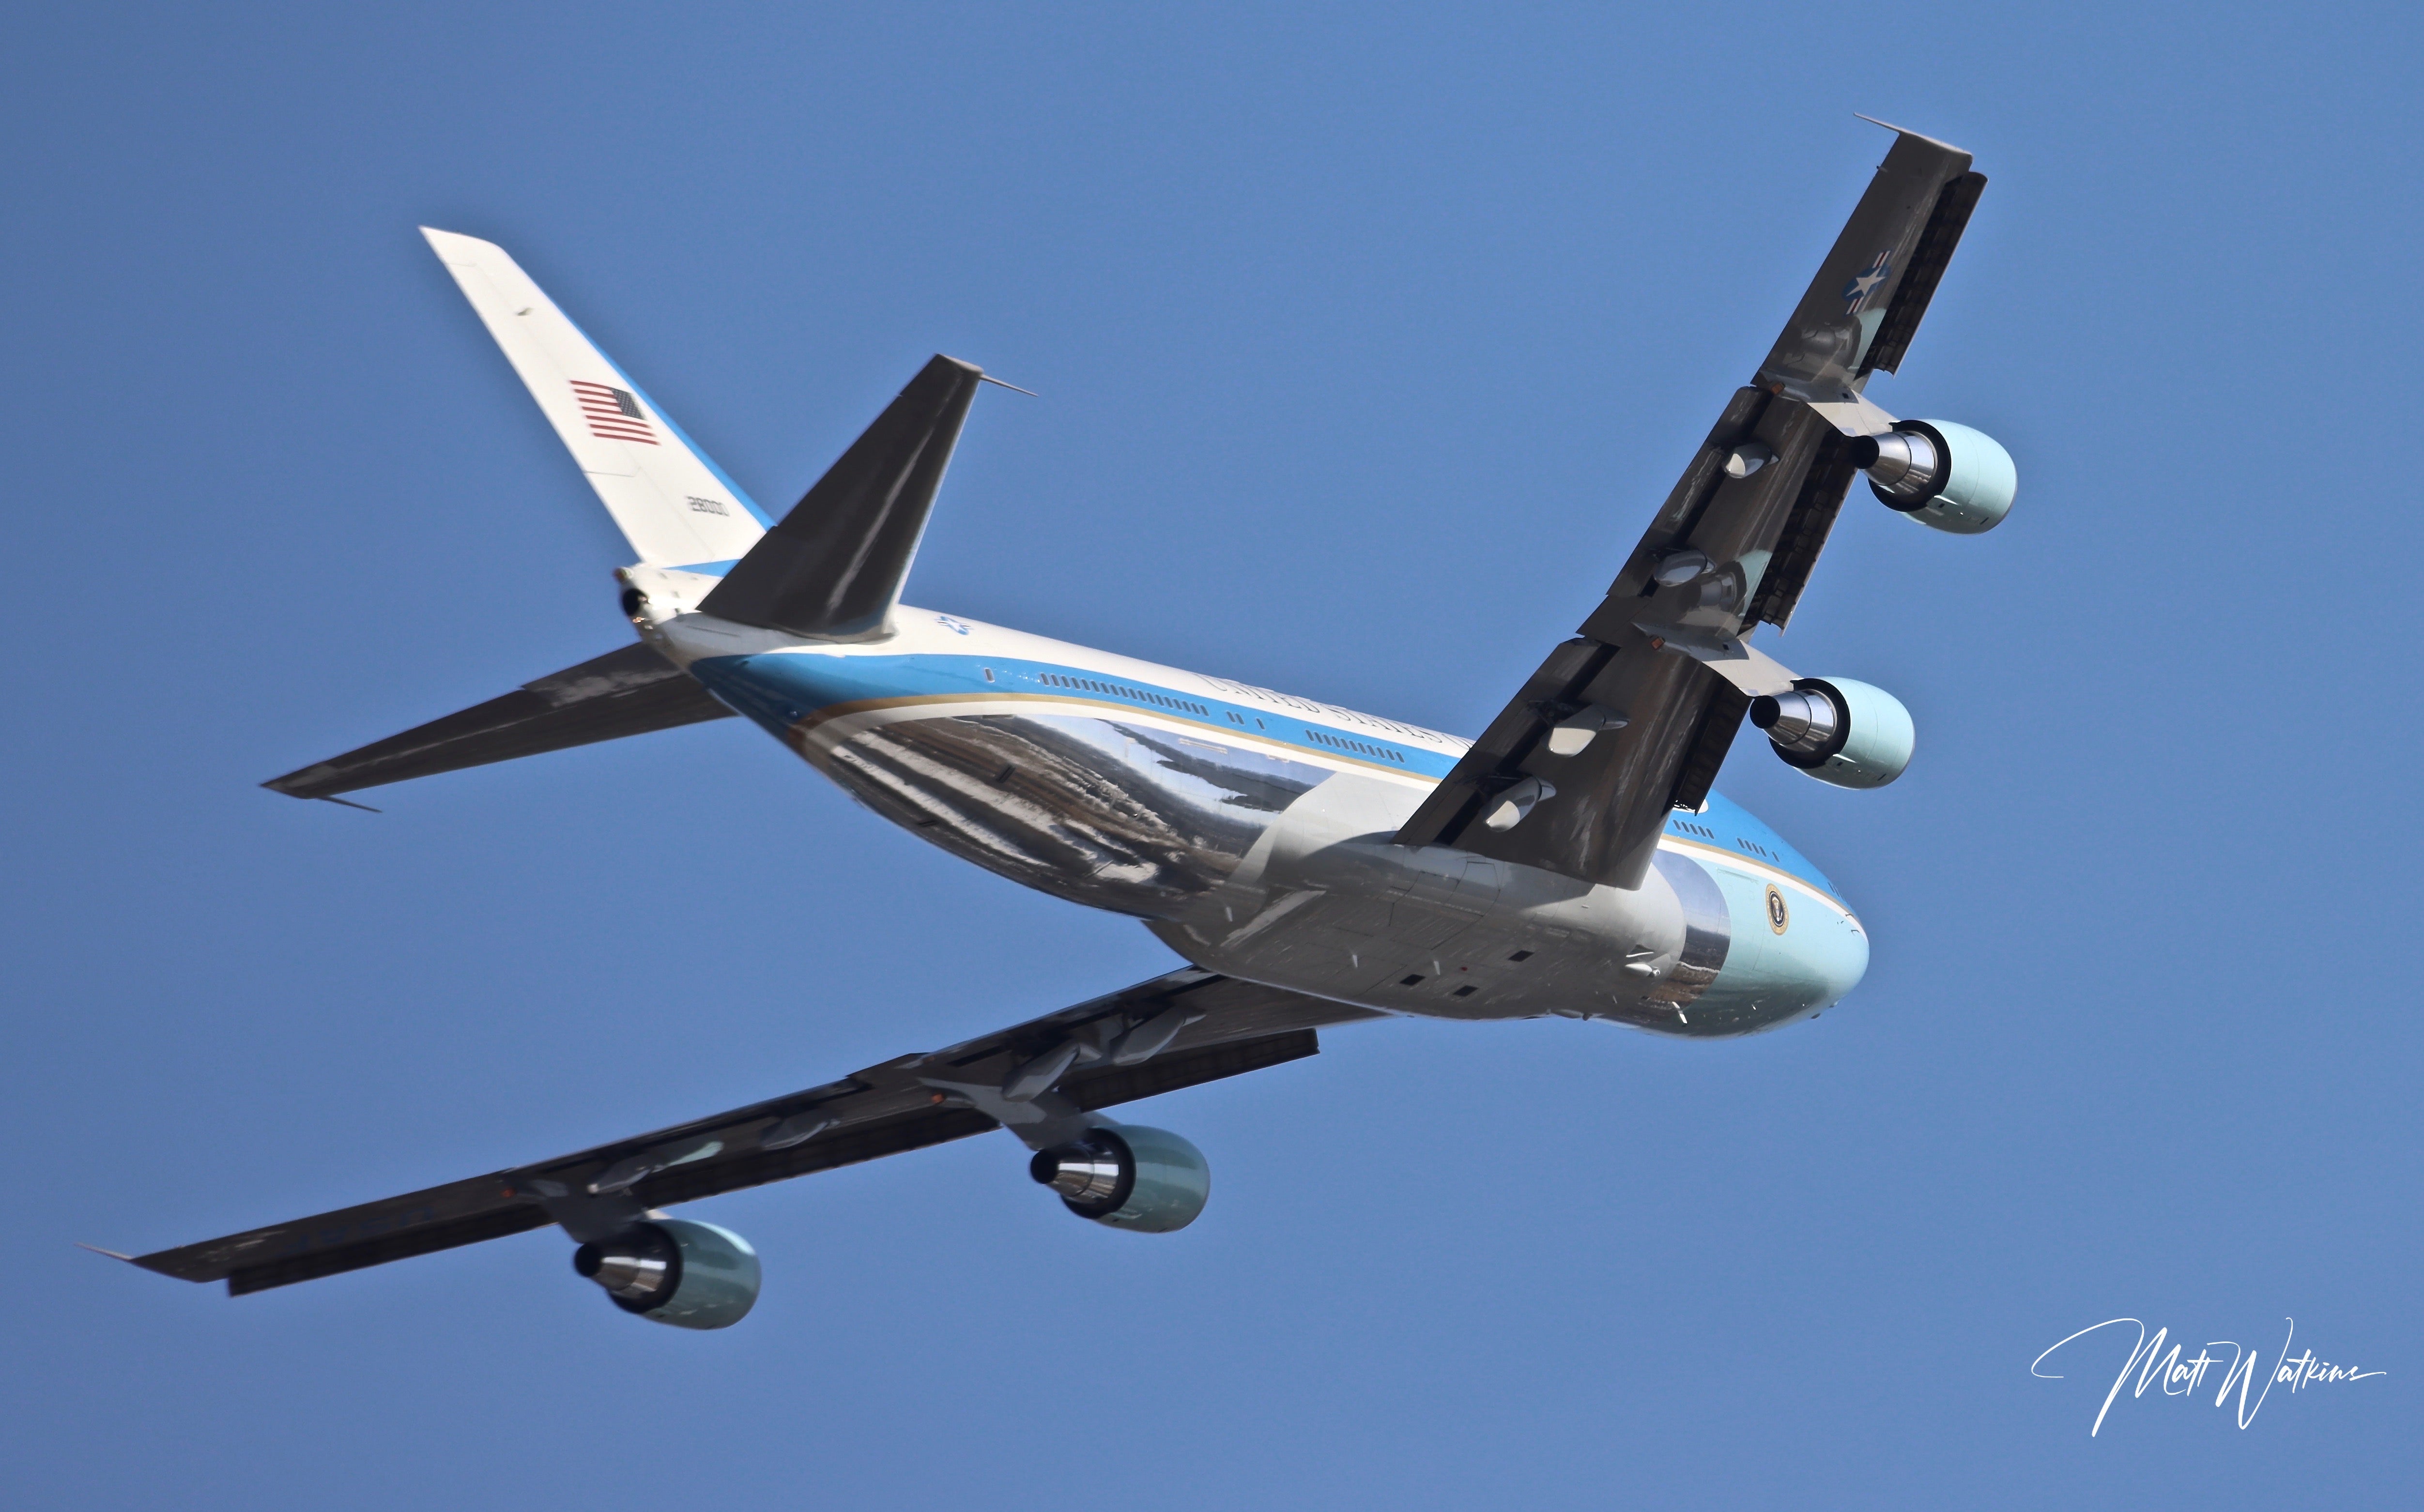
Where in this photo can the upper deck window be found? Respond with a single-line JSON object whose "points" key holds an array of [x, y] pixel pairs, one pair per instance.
{"points": [[1117, 690], [1359, 747]]}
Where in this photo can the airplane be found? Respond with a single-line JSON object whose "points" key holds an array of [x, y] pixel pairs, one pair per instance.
{"points": [[1312, 866]]}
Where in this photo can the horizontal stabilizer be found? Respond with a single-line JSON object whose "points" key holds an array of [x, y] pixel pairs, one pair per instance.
{"points": [[630, 692], [833, 568]]}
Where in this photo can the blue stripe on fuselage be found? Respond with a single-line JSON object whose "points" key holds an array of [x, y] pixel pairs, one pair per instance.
{"points": [[1732, 827], [778, 690]]}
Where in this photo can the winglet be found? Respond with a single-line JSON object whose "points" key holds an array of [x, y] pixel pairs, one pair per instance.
{"points": [[1905, 131]]}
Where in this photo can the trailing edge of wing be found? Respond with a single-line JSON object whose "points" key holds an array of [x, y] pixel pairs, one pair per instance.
{"points": [[833, 567], [630, 692], [1231, 1028], [1859, 313]]}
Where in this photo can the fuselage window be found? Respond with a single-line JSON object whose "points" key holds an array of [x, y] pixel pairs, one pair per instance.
{"points": [[1359, 747]]}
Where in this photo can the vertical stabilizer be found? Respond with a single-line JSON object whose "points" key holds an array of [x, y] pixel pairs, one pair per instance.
{"points": [[676, 507]]}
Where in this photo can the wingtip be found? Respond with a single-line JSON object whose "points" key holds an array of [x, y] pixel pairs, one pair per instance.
{"points": [[443, 241], [290, 785], [98, 1251], [1905, 131]]}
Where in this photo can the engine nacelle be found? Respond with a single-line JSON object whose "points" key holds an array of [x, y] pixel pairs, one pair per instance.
{"points": [[1839, 731], [690, 1275], [1149, 1180], [1940, 475]]}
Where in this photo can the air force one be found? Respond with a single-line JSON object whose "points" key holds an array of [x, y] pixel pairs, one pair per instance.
{"points": [[1313, 865]]}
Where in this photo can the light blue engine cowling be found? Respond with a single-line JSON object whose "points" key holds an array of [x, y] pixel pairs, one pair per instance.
{"points": [[1129, 1177], [670, 1270], [1940, 475], [1840, 731]]}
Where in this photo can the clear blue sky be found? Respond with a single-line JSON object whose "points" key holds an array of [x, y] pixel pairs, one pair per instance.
{"points": [[1367, 339]]}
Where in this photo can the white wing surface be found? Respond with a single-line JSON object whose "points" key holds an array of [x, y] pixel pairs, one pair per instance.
{"points": [[676, 507]]}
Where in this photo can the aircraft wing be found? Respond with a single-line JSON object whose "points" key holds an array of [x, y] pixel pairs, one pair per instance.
{"points": [[1179, 1030], [1633, 716]]}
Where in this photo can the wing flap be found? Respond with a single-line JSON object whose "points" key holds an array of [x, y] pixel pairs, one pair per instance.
{"points": [[1806, 529], [626, 691], [1874, 273], [1946, 221]]}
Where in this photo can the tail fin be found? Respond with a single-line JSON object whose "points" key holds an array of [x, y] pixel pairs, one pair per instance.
{"points": [[833, 567], [676, 507]]}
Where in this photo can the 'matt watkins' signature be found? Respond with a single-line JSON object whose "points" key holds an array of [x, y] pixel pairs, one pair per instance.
{"points": [[2182, 1377]]}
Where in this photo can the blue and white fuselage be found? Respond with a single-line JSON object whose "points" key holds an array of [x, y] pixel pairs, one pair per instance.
{"points": [[1314, 864], [1251, 831]]}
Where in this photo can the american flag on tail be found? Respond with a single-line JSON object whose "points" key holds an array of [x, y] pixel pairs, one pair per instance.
{"points": [[614, 414]]}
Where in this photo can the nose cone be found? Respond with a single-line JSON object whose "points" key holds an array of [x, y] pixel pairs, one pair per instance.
{"points": [[1793, 953], [1829, 957]]}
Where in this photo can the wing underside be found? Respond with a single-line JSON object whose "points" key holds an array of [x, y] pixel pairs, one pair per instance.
{"points": [[1208, 1027], [1652, 689]]}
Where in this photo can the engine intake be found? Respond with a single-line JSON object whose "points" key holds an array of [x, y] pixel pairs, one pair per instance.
{"points": [[1940, 475], [1129, 1177], [670, 1270], [1839, 731]]}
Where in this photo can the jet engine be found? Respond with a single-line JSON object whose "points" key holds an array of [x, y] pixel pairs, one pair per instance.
{"points": [[1149, 1180], [1940, 475], [1838, 730], [690, 1275]]}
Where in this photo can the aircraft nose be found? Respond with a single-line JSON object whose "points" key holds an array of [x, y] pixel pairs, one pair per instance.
{"points": [[1792, 951], [1830, 957]]}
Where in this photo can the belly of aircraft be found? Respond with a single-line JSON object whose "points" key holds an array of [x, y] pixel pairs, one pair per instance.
{"points": [[1117, 814], [1256, 865]]}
